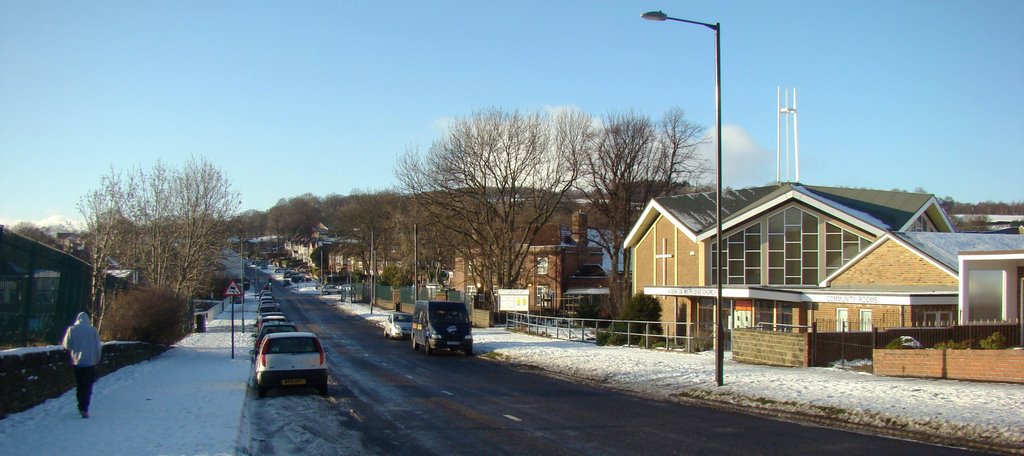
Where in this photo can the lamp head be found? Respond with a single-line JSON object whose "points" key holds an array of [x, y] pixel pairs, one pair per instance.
{"points": [[654, 16]]}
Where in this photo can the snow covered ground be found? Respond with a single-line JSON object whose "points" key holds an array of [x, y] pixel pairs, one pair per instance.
{"points": [[190, 399]]}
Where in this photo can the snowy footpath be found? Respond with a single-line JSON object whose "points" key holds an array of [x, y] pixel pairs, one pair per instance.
{"points": [[190, 399], [186, 401]]}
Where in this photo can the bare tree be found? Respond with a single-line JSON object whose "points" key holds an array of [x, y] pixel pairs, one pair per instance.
{"points": [[170, 225], [493, 180], [105, 224], [633, 161]]}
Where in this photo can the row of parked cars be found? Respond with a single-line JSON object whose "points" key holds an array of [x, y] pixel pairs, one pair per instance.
{"points": [[283, 356]]}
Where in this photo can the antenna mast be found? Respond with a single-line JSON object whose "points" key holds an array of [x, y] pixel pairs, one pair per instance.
{"points": [[788, 112]]}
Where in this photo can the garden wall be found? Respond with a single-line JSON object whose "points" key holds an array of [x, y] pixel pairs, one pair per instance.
{"points": [[769, 347], [981, 365], [30, 376]]}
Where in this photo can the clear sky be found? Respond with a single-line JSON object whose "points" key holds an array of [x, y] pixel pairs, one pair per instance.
{"points": [[321, 97]]}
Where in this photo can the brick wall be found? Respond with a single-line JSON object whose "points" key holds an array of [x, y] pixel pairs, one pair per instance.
{"points": [[29, 378], [768, 347], [981, 365], [892, 264]]}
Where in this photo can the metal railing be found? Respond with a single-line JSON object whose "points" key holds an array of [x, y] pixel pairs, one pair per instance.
{"points": [[690, 337]]}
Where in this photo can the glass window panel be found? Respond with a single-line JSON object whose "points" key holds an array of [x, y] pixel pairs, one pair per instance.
{"points": [[775, 276], [985, 295], [775, 224], [775, 259], [810, 223], [810, 276], [833, 242], [850, 251], [810, 259], [792, 268], [830, 228], [752, 242], [775, 242], [792, 250], [793, 281], [833, 260], [811, 242], [849, 237], [793, 216], [735, 252], [753, 276], [753, 259], [792, 235]]}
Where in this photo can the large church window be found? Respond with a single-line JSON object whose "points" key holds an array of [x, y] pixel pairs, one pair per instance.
{"points": [[743, 257], [793, 248], [841, 246]]}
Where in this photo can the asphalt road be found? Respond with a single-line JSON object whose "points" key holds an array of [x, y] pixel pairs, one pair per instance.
{"points": [[388, 399]]}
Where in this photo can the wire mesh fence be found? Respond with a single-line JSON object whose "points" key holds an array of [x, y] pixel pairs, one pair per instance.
{"points": [[41, 291]]}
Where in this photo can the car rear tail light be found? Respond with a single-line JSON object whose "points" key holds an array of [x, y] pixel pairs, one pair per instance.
{"points": [[320, 349], [263, 355]]}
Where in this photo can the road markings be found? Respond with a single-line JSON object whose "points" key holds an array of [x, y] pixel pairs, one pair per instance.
{"points": [[512, 418], [448, 393]]}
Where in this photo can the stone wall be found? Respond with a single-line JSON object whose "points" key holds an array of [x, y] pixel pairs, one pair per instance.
{"points": [[769, 347], [981, 365], [29, 377]]}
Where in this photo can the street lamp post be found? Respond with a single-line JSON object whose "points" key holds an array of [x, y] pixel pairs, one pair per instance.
{"points": [[719, 336]]}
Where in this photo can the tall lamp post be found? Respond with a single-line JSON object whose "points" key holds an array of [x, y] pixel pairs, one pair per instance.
{"points": [[719, 336]]}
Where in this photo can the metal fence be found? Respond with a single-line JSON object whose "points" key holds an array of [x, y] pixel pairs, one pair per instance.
{"points": [[833, 342], [41, 291], [691, 337]]}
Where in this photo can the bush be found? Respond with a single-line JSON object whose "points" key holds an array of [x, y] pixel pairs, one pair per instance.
{"points": [[153, 315], [903, 342], [588, 309], [951, 345], [994, 342]]}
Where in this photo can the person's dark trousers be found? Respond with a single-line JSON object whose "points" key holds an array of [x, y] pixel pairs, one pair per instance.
{"points": [[84, 378]]}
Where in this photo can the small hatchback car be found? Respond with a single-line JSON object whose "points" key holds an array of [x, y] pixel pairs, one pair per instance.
{"points": [[398, 325], [290, 359]]}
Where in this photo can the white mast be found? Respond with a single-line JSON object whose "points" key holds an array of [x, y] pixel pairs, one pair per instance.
{"points": [[796, 138], [789, 112]]}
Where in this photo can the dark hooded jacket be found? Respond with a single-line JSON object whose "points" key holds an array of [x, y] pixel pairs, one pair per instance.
{"points": [[83, 342]]}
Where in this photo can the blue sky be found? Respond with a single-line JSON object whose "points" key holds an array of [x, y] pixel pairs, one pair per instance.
{"points": [[321, 97]]}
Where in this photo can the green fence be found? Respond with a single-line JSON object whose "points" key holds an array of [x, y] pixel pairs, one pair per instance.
{"points": [[41, 291]]}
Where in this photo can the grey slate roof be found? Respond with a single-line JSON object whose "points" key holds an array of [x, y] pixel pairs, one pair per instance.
{"points": [[887, 210], [944, 247]]}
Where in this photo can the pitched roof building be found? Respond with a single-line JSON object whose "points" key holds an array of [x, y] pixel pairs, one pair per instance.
{"points": [[796, 254]]}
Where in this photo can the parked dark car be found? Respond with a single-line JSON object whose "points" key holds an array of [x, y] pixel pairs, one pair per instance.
{"points": [[272, 327], [442, 325]]}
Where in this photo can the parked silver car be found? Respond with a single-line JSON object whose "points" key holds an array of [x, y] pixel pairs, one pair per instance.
{"points": [[398, 325]]}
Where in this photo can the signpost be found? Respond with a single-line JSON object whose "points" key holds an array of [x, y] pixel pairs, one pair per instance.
{"points": [[232, 291]]}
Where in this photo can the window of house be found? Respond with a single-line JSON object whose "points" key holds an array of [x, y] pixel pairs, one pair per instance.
{"points": [[543, 296], [706, 310], [743, 257], [785, 314], [793, 248], [865, 319], [985, 289], [923, 223], [841, 246], [765, 313], [542, 265]]}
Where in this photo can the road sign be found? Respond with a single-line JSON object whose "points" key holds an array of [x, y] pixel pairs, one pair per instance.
{"points": [[233, 290]]}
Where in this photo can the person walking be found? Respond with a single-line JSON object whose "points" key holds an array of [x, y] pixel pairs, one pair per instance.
{"points": [[83, 344]]}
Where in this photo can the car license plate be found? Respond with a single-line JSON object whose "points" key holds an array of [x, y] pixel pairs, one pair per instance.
{"points": [[293, 381], [454, 343]]}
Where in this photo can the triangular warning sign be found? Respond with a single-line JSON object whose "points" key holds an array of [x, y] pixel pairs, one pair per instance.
{"points": [[233, 290]]}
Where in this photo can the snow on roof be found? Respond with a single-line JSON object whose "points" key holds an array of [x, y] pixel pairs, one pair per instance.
{"points": [[944, 247]]}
